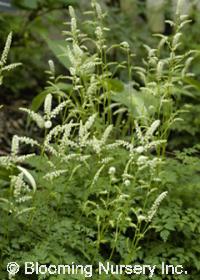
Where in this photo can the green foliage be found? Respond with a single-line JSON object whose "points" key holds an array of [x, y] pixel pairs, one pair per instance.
{"points": [[31, 23]]}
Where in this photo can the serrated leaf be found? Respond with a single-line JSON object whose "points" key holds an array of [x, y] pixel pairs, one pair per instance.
{"points": [[164, 234]]}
